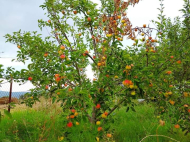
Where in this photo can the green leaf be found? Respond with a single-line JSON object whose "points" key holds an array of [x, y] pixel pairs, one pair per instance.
{"points": [[133, 109], [127, 109]]}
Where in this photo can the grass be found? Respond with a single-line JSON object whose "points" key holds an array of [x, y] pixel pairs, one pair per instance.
{"points": [[46, 124]]}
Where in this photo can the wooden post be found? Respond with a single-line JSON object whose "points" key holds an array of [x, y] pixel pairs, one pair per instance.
{"points": [[10, 94]]}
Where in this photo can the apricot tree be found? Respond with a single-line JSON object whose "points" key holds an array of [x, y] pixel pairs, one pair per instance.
{"points": [[81, 35]]}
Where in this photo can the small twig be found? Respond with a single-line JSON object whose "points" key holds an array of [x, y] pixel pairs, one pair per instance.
{"points": [[91, 58], [115, 107]]}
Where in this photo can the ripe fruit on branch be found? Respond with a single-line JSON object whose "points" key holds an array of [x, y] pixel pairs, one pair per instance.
{"points": [[70, 89], [60, 138], [148, 44], [46, 54], [109, 35], [49, 21], [179, 62], [73, 110], [142, 34], [177, 126], [168, 72], [169, 93], [171, 102], [99, 64], [77, 123], [131, 86], [99, 129], [62, 47], [185, 105], [172, 57], [152, 50], [89, 19], [144, 25], [98, 106], [104, 115], [98, 123], [56, 75], [128, 67], [133, 93], [127, 82], [109, 135], [150, 38], [170, 86], [76, 114], [72, 116], [57, 79], [60, 52], [46, 87], [116, 77], [62, 56], [70, 124], [118, 17], [185, 94], [19, 46], [80, 34], [29, 78], [122, 21], [75, 12]]}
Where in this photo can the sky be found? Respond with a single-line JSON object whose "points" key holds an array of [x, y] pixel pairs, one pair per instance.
{"points": [[24, 15]]}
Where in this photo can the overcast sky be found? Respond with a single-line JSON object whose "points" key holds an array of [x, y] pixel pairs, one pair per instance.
{"points": [[24, 14]]}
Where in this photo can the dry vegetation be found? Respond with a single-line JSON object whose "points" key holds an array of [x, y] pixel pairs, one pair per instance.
{"points": [[44, 103]]}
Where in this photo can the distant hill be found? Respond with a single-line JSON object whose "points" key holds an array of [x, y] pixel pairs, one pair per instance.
{"points": [[14, 94]]}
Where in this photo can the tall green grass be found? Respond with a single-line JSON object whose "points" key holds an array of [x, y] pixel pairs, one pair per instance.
{"points": [[47, 125]]}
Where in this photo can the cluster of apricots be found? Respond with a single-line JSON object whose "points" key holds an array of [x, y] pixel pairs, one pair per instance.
{"points": [[70, 118]]}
